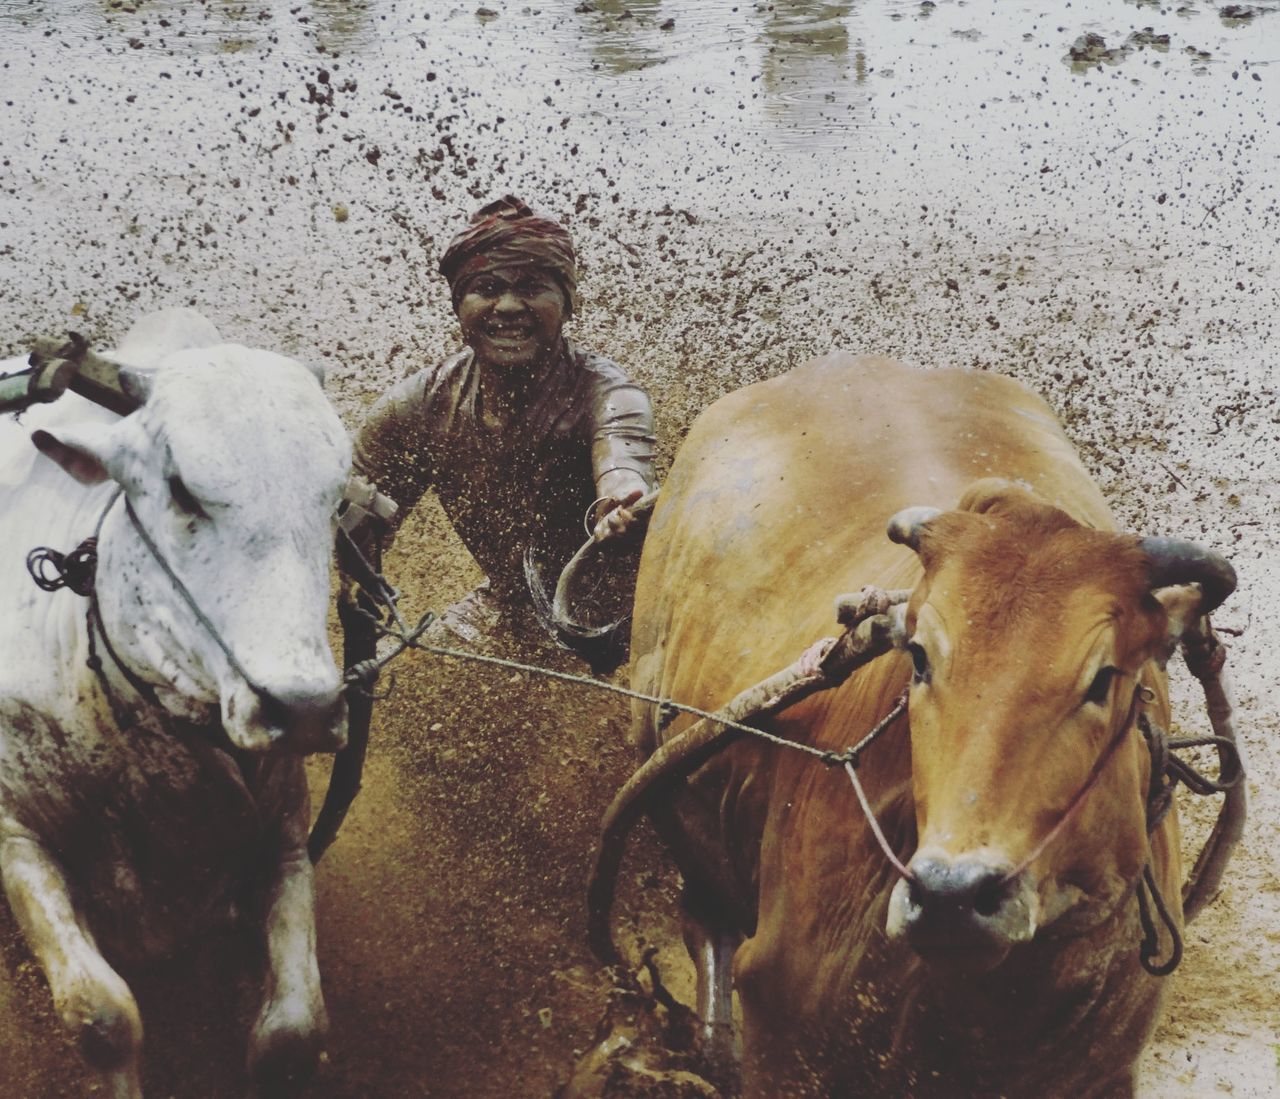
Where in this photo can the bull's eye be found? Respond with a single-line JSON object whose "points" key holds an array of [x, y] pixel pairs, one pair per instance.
{"points": [[184, 499], [919, 662], [1100, 689]]}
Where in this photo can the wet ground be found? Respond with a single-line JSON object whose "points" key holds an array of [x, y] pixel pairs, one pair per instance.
{"points": [[1081, 196]]}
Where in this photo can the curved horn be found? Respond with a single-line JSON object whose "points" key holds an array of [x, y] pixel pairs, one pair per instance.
{"points": [[137, 383], [1174, 561], [904, 528]]}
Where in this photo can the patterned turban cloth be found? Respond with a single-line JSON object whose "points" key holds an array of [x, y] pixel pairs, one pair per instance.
{"points": [[506, 233]]}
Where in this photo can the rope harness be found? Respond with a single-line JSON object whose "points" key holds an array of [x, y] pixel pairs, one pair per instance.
{"points": [[869, 632]]}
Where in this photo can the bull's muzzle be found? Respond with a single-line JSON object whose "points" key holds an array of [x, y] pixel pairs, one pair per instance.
{"points": [[963, 910], [300, 719], [308, 722]]}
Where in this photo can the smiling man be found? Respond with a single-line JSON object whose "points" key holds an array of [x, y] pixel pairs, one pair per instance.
{"points": [[521, 434]]}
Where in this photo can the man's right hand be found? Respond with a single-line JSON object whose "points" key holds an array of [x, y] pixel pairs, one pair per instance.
{"points": [[617, 518]]}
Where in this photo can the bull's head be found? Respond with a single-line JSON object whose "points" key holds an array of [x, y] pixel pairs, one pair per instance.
{"points": [[1030, 638], [233, 467]]}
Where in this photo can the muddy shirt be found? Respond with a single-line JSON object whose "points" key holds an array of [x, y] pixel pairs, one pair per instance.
{"points": [[528, 484]]}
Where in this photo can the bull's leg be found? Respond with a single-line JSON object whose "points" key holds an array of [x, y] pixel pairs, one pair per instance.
{"points": [[292, 1025], [712, 946], [95, 1004]]}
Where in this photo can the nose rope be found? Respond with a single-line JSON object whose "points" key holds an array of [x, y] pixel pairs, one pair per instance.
{"points": [[903, 871], [1078, 799], [623, 810]]}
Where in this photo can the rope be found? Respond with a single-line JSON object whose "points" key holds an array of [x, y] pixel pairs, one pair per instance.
{"points": [[75, 571], [1168, 769], [666, 705], [263, 694], [1149, 893], [1099, 765], [851, 769]]}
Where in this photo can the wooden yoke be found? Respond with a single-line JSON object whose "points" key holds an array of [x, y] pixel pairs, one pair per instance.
{"points": [[38, 384], [56, 365]]}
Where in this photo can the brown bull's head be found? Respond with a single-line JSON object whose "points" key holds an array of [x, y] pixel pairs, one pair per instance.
{"points": [[1030, 638]]}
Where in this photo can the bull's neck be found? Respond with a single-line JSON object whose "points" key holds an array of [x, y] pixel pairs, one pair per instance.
{"points": [[1023, 1012]]}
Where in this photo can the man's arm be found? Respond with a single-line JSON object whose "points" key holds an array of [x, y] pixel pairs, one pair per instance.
{"points": [[622, 452], [390, 454]]}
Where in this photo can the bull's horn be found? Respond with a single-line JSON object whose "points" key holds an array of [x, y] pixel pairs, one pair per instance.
{"points": [[904, 528], [1174, 561], [137, 383]]}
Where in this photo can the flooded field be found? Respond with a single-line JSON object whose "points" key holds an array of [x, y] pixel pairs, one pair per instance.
{"points": [[1083, 196]]}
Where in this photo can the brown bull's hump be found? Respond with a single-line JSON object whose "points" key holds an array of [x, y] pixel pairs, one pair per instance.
{"points": [[779, 497]]}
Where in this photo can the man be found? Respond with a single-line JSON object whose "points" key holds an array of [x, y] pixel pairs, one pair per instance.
{"points": [[521, 434]]}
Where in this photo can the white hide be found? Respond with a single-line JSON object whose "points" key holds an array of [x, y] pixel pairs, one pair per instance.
{"points": [[257, 446], [252, 437]]}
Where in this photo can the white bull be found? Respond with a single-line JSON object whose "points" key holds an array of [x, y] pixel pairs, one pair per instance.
{"points": [[139, 802]]}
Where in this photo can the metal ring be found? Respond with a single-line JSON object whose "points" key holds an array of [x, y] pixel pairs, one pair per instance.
{"points": [[587, 524]]}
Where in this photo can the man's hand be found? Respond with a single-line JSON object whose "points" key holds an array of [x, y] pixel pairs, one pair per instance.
{"points": [[614, 517]]}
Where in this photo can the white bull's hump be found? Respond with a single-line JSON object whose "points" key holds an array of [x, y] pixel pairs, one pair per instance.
{"points": [[156, 336]]}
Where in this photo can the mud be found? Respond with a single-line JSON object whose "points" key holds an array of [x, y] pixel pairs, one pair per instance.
{"points": [[749, 185]]}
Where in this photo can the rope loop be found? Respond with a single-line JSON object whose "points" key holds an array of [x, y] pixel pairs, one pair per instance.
{"points": [[1168, 769], [75, 571], [1148, 895]]}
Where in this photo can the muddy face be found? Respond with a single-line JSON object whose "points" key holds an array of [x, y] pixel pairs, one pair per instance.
{"points": [[512, 317]]}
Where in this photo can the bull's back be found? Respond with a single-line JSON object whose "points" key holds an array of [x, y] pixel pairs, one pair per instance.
{"points": [[779, 497]]}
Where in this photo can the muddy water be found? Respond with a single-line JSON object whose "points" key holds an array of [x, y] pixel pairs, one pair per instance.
{"points": [[749, 184]]}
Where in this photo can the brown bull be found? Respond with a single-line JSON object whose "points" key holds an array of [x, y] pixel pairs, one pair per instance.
{"points": [[1008, 962]]}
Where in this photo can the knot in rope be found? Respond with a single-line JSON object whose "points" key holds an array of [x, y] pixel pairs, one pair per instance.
{"points": [[363, 675], [1168, 769], [75, 571]]}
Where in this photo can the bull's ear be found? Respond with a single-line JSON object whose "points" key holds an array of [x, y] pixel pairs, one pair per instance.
{"points": [[1181, 603], [906, 527], [82, 451]]}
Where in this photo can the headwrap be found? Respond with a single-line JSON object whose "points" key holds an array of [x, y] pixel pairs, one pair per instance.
{"points": [[506, 233]]}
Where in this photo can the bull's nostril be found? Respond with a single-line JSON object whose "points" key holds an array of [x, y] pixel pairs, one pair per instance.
{"points": [[274, 712], [990, 896], [915, 892], [962, 886]]}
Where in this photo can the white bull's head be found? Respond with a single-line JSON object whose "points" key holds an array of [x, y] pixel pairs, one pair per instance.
{"points": [[234, 467]]}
